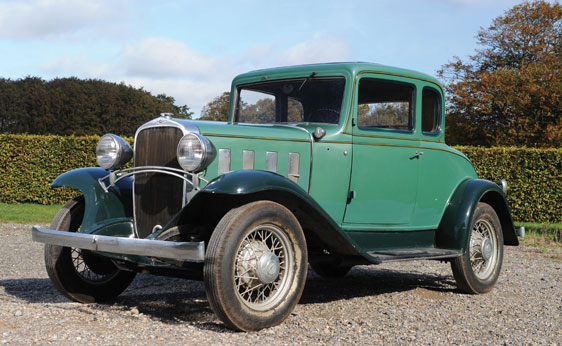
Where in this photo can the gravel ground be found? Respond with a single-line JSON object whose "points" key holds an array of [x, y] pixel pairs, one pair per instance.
{"points": [[394, 303]]}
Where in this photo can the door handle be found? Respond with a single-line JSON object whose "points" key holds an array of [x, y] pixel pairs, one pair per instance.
{"points": [[417, 155]]}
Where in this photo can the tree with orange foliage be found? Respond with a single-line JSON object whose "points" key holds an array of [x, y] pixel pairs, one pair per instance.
{"points": [[510, 91]]}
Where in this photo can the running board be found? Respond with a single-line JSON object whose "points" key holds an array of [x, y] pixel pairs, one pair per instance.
{"points": [[412, 254]]}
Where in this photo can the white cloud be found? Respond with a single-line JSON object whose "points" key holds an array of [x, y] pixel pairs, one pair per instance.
{"points": [[163, 65], [258, 56], [34, 19], [319, 48], [166, 58], [79, 66], [192, 93], [158, 65]]}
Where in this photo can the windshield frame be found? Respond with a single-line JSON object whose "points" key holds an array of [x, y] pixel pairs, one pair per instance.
{"points": [[301, 82]]}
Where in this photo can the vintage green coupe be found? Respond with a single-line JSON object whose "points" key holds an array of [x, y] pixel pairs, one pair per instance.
{"points": [[331, 164]]}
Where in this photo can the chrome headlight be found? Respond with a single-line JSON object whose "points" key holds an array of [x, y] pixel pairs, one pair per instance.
{"points": [[113, 151], [195, 152]]}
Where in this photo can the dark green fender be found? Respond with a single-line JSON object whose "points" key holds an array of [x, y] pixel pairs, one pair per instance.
{"points": [[455, 225], [244, 186], [110, 212]]}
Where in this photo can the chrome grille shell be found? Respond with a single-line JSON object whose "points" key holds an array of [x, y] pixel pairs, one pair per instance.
{"points": [[156, 196]]}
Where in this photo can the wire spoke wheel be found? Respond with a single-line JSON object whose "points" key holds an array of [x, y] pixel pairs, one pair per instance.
{"points": [[255, 266], [78, 274], [84, 270], [477, 271], [263, 266], [483, 249]]}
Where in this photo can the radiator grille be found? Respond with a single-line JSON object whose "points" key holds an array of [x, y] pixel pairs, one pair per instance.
{"points": [[157, 197]]}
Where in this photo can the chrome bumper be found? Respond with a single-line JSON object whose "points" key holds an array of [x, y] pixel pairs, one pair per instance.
{"points": [[187, 251]]}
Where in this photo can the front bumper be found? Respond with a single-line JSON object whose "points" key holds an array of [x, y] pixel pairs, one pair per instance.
{"points": [[187, 251]]}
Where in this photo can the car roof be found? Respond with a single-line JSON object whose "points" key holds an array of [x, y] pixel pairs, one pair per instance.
{"points": [[353, 68]]}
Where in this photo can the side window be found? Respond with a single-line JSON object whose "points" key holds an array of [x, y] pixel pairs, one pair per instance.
{"points": [[385, 104], [431, 110], [256, 107]]}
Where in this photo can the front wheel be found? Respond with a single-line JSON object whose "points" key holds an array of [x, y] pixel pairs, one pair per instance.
{"points": [[477, 271], [255, 266], [80, 274]]}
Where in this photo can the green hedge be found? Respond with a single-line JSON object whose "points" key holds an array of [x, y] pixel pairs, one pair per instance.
{"points": [[31, 163], [534, 178]]}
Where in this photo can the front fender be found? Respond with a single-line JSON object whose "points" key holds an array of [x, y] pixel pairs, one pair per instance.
{"points": [[453, 231], [102, 208], [250, 181], [237, 188]]}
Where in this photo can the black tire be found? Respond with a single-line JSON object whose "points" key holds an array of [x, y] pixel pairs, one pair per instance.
{"points": [[255, 266], [330, 270], [477, 271], [78, 274]]}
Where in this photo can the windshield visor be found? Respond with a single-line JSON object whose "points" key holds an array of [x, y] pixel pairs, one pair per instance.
{"points": [[308, 100]]}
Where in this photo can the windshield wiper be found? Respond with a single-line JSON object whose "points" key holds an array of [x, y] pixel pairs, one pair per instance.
{"points": [[312, 75]]}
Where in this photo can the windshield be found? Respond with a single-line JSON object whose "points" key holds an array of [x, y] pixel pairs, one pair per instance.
{"points": [[311, 100]]}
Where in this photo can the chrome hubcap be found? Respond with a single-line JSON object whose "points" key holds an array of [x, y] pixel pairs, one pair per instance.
{"points": [[268, 268], [264, 267], [486, 249]]}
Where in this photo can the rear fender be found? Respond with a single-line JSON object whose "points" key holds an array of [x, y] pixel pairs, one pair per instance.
{"points": [[455, 225], [102, 208]]}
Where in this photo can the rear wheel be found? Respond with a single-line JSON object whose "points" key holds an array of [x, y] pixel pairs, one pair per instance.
{"points": [[255, 266], [477, 271], [80, 274]]}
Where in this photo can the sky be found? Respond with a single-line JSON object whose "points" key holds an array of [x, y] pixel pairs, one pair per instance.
{"points": [[191, 50]]}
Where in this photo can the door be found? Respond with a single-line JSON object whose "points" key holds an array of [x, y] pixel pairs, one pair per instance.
{"points": [[384, 177]]}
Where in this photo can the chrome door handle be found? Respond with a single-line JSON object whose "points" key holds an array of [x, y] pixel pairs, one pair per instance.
{"points": [[416, 155]]}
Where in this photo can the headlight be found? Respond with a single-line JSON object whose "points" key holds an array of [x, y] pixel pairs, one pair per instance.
{"points": [[113, 151], [195, 152]]}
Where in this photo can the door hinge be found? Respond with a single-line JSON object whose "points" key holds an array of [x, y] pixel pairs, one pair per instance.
{"points": [[350, 196]]}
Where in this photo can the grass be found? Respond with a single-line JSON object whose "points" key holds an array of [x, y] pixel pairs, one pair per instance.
{"points": [[28, 213], [542, 236], [539, 235]]}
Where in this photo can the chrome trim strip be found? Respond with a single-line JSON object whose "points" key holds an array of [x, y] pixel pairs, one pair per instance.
{"points": [[190, 251], [248, 159], [271, 161], [184, 126], [224, 161], [311, 150], [293, 170], [116, 176]]}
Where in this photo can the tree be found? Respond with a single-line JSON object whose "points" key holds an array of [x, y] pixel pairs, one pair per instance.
{"points": [[71, 106], [510, 91], [179, 111], [217, 109]]}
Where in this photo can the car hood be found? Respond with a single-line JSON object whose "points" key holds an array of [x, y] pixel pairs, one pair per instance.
{"points": [[283, 149]]}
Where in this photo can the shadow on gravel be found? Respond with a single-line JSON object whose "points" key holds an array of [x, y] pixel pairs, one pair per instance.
{"points": [[182, 301], [362, 282], [32, 290], [171, 301]]}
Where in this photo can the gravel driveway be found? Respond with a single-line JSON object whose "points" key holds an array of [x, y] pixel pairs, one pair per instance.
{"points": [[395, 303]]}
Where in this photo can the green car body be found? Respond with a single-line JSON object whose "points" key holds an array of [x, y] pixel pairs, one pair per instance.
{"points": [[375, 183]]}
